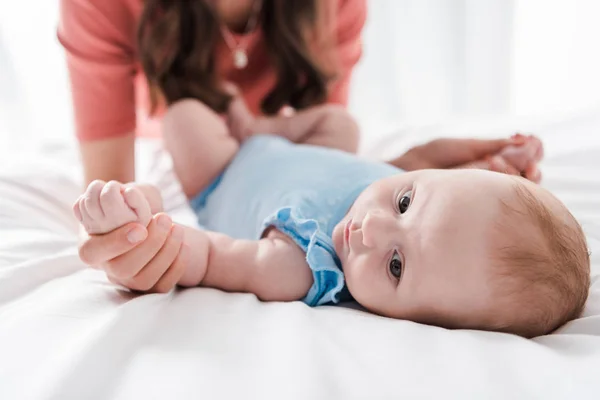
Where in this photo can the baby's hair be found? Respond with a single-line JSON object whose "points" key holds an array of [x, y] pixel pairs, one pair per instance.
{"points": [[545, 267]]}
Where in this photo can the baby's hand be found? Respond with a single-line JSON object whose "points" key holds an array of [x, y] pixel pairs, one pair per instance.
{"points": [[106, 206]]}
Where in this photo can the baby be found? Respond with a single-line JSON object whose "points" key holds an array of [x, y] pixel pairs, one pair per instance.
{"points": [[454, 248]]}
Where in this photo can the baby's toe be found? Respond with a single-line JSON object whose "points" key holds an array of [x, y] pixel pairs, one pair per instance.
{"points": [[231, 88], [517, 156], [136, 200], [538, 146]]}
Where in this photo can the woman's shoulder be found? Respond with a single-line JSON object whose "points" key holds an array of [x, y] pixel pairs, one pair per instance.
{"points": [[354, 5], [106, 7], [347, 19], [115, 18], [350, 11]]}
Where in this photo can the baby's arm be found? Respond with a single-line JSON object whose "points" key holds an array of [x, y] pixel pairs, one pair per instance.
{"points": [[273, 268]]}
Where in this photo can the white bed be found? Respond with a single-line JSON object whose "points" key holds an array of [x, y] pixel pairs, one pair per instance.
{"points": [[66, 333]]}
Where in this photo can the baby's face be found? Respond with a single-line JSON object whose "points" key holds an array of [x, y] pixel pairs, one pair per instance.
{"points": [[417, 245]]}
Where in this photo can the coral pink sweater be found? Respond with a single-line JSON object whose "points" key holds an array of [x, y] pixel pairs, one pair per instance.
{"points": [[109, 91]]}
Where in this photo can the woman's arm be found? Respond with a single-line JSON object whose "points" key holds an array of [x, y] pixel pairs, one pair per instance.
{"points": [[450, 153], [100, 56], [109, 159], [507, 156]]}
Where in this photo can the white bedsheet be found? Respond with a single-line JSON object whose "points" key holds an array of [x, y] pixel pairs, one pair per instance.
{"points": [[65, 333]]}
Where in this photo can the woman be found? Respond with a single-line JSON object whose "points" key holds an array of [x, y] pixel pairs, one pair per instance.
{"points": [[128, 59]]}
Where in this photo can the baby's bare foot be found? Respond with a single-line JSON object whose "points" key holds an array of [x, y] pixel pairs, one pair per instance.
{"points": [[240, 119], [522, 156], [106, 206]]}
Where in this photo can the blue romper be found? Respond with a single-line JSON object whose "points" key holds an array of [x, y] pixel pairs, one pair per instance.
{"points": [[302, 190]]}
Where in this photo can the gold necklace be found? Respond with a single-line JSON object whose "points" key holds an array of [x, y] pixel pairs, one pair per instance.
{"points": [[239, 50]]}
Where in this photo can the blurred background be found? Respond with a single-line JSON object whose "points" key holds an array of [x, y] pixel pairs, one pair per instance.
{"points": [[424, 61]]}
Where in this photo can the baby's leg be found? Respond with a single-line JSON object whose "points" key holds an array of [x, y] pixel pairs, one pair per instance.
{"points": [[332, 126], [325, 125], [199, 143]]}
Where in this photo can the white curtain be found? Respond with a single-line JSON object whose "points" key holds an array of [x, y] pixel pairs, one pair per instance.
{"points": [[437, 57], [427, 60], [433, 60], [556, 63], [34, 93]]}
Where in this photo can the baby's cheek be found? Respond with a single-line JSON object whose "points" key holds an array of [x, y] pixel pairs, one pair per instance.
{"points": [[357, 278], [370, 287]]}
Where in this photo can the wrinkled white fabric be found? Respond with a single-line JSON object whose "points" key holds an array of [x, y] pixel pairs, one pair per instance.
{"points": [[66, 333]]}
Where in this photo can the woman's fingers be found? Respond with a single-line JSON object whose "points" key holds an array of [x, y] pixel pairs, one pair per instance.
{"points": [[499, 164], [453, 153], [174, 273], [532, 173], [153, 270], [98, 249], [518, 139], [155, 264], [127, 265], [479, 164], [493, 163], [480, 148]]}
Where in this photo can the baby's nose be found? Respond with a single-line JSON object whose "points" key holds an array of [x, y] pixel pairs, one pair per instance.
{"points": [[379, 229]]}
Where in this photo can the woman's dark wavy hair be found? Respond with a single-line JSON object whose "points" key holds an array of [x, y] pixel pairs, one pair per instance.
{"points": [[177, 40]]}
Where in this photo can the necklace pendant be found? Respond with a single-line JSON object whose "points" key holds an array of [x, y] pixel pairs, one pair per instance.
{"points": [[240, 59]]}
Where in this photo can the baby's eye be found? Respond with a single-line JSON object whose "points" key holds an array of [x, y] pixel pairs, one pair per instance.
{"points": [[404, 202], [396, 265]]}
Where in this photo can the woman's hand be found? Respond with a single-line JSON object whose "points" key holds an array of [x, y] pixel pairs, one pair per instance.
{"points": [[147, 260], [469, 153]]}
